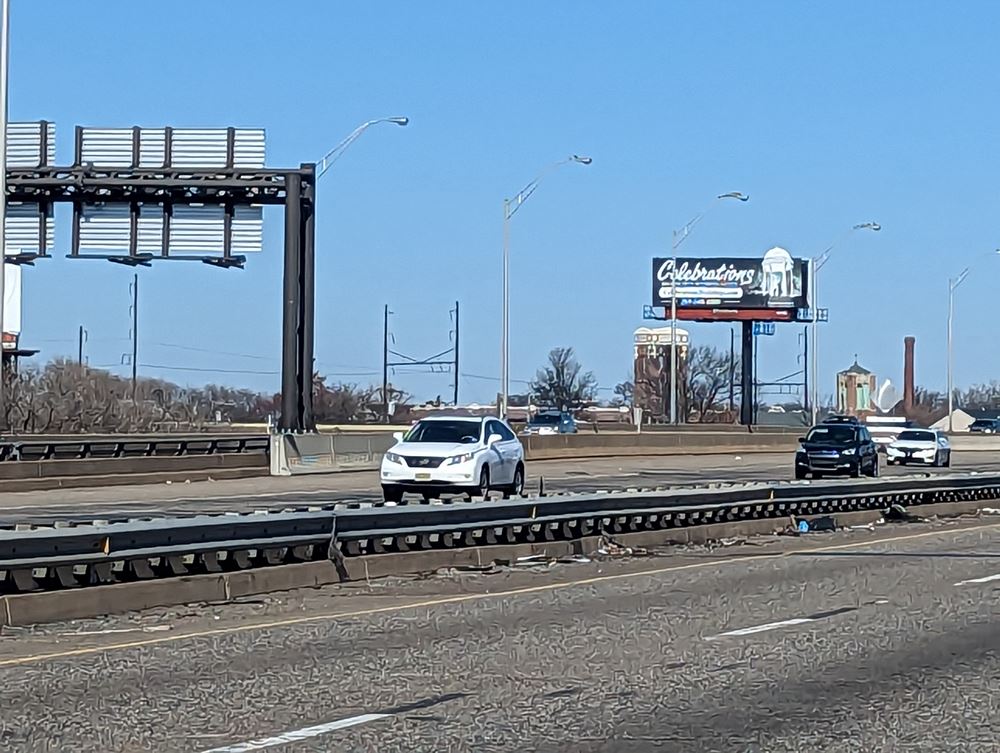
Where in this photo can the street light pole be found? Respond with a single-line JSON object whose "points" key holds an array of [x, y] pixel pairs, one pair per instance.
{"points": [[818, 263], [679, 236], [4, 59], [510, 207], [505, 314], [953, 284]]}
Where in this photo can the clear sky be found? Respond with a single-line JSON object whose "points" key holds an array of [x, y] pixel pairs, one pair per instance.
{"points": [[828, 115]]}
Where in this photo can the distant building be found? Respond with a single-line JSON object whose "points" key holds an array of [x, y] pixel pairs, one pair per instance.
{"points": [[651, 364], [856, 387]]}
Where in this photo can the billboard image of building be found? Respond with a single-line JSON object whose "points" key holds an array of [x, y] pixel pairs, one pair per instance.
{"points": [[773, 287], [651, 363]]}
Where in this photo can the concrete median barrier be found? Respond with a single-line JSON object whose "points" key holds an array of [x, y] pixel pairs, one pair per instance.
{"points": [[57, 474], [565, 446], [301, 454]]}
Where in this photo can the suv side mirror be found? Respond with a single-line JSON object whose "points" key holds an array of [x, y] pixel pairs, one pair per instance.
{"points": [[398, 436], [494, 438], [801, 439]]}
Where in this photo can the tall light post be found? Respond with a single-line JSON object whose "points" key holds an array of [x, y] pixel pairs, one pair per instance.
{"points": [[4, 59], [510, 207], [953, 283], [326, 162], [818, 263], [679, 237]]}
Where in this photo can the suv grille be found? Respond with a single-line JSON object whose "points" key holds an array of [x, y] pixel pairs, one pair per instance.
{"points": [[422, 462]]}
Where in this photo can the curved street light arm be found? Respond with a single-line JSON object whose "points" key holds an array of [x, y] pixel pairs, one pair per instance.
{"points": [[955, 282], [824, 257], [514, 204], [327, 160], [681, 235]]}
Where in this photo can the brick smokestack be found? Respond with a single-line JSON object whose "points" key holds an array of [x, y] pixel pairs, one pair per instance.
{"points": [[908, 387]]}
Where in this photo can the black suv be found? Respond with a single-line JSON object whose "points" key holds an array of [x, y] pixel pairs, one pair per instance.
{"points": [[838, 448], [841, 420]]}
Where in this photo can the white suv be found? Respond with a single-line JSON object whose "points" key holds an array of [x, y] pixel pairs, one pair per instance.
{"points": [[454, 454]]}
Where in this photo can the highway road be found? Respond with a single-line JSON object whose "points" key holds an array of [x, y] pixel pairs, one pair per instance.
{"points": [[278, 493], [884, 640]]}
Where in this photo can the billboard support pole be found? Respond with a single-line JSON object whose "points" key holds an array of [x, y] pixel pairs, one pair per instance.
{"points": [[814, 304], [307, 251], [673, 336], [746, 376], [290, 395]]}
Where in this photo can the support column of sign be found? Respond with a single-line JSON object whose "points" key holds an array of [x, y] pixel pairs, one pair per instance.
{"points": [[290, 393], [307, 250], [746, 375]]}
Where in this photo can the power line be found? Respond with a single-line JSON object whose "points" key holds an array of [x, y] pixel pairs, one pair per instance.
{"points": [[206, 370], [215, 352]]}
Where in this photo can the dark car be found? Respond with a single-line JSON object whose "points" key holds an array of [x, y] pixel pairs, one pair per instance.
{"points": [[551, 422], [841, 420], [985, 426], [830, 449]]}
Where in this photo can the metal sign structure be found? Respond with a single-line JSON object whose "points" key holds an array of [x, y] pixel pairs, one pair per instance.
{"points": [[227, 230], [757, 292], [188, 190], [731, 288]]}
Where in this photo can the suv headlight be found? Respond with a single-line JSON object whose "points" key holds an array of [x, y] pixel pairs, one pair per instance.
{"points": [[392, 457], [459, 459], [850, 451]]}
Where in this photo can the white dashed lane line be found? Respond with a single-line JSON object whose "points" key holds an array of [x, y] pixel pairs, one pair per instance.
{"points": [[299, 734], [974, 581], [781, 624]]}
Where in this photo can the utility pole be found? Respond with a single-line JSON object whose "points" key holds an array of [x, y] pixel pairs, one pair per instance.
{"points": [[135, 335], [805, 371], [81, 339], [385, 364], [456, 353]]}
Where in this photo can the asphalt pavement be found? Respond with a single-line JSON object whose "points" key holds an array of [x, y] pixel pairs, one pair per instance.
{"points": [[362, 486], [867, 640]]}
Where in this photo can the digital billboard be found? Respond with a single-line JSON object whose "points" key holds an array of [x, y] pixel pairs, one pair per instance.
{"points": [[774, 286]]}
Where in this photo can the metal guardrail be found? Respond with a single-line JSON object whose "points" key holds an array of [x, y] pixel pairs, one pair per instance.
{"points": [[66, 555], [131, 447]]}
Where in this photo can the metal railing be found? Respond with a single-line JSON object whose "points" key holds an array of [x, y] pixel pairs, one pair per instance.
{"points": [[131, 447], [66, 555]]}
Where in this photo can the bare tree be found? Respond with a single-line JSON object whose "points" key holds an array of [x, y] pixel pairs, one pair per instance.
{"points": [[64, 397], [979, 397], [563, 383], [708, 374], [624, 394]]}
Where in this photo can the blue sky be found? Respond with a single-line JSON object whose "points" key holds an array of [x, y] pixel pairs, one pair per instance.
{"points": [[827, 115]]}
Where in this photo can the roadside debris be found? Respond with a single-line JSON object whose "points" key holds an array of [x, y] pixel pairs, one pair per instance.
{"points": [[611, 548], [898, 514], [823, 524]]}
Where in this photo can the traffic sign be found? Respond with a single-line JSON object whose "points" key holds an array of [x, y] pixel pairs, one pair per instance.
{"points": [[649, 312]]}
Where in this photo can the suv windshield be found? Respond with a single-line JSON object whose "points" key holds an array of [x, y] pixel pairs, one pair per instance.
{"points": [[452, 432], [545, 419], [916, 436], [833, 434]]}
